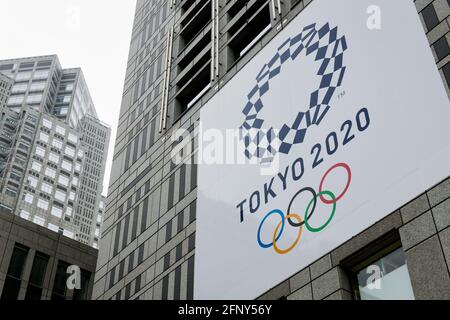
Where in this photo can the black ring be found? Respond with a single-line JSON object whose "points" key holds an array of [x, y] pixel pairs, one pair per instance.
{"points": [[311, 190]]}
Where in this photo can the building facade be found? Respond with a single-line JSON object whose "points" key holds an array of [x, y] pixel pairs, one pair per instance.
{"points": [[57, 148], [35, 261], [181, 54]]}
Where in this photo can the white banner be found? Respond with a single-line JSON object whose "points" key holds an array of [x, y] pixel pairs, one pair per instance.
{"points": [[344, 117]]}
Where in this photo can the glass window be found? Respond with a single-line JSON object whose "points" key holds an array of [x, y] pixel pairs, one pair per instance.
{"points": [[49, 172], [34, 98], [59, 285], [32, 181], [57, 212], [77, 167], [40, 152], [41, 74], [385, 279], [69, 234], [47, 123], [20, 88], [72, 196], [72, 138], [37, 86], [23, 76], [53, 227], [63, 180], [60, 130], [11, 287], [60, 195], [39, 220], [36, 166], [38, 271], [43, 137], [45, 187], [69, 211], [57, 143], [15, 100], [66, 165], [24, 214], [75, 181], [29, 198], [53, 157], [69, 151], [42, 204]]}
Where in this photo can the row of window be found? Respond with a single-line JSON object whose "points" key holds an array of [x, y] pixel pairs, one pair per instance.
{"points": [[39, 269]]}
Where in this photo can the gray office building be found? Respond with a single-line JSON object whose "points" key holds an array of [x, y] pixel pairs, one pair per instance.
{"points": [[53, 148], [35, 260], [181, 54]]}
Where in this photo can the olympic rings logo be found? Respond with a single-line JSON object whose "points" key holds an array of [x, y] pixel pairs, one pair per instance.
{"points": [[295, 220]]}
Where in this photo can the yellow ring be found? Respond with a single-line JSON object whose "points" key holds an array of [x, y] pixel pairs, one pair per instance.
{"points": [[278, 250]]}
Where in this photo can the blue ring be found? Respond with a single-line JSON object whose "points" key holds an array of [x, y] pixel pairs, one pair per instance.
{"points": [[261, 244]]}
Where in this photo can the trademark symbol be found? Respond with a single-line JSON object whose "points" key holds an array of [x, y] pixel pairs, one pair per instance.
{"points": [[341, 95]]}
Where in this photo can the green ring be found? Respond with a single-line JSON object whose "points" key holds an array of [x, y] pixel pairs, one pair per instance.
{"points": [[308, 226]]}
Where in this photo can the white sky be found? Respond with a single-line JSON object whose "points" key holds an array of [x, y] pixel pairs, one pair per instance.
{"points": [[91, 34]]}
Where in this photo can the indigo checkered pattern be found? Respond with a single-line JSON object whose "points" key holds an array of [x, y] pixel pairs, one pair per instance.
{"points": [[325, 46]]}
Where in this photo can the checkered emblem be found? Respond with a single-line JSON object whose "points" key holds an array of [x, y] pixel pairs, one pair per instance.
{"points": [[326, 47]]}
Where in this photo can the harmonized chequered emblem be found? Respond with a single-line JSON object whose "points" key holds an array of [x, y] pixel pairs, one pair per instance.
{"points": [[325, 46]]}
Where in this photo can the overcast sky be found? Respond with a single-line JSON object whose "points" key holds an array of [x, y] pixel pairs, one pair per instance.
{"points": [[91, 34]]}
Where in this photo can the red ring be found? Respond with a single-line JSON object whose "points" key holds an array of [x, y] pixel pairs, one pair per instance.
{"points": [[349, 171]]}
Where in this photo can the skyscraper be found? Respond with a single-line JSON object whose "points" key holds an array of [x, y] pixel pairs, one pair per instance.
{"points": [[57, 148], [182, 53]]}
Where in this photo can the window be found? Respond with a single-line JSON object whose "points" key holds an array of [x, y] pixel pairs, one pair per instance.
{"points": [[53, 157], [72, 138], [23, 76], [77, 167], [59, 286], [57, 212], [72, 196], [40, 152], [38, 271], [32, 181], [66, 165], [37, 86], [19, 88], [392, 282], [60, 195], [69, 211], [13, 279], [47, 123], [39, 220], [75, 181], [51, 173], [60, 130], [45, 187], [42, 204], [82, 293], [69, 151], [28, 198], [41, 74], [43, 137], [24, 214], [57, 143], [34, 98], [63, 180], [15, 100], [36, 166], [69, 234], [53, 227]]}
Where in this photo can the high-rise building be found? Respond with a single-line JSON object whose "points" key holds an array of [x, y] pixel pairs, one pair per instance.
{"points": [[182, 54], [55, 150]]}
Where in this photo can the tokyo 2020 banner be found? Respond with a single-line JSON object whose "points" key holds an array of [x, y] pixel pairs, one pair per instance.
{"points": [[340, 120]]}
